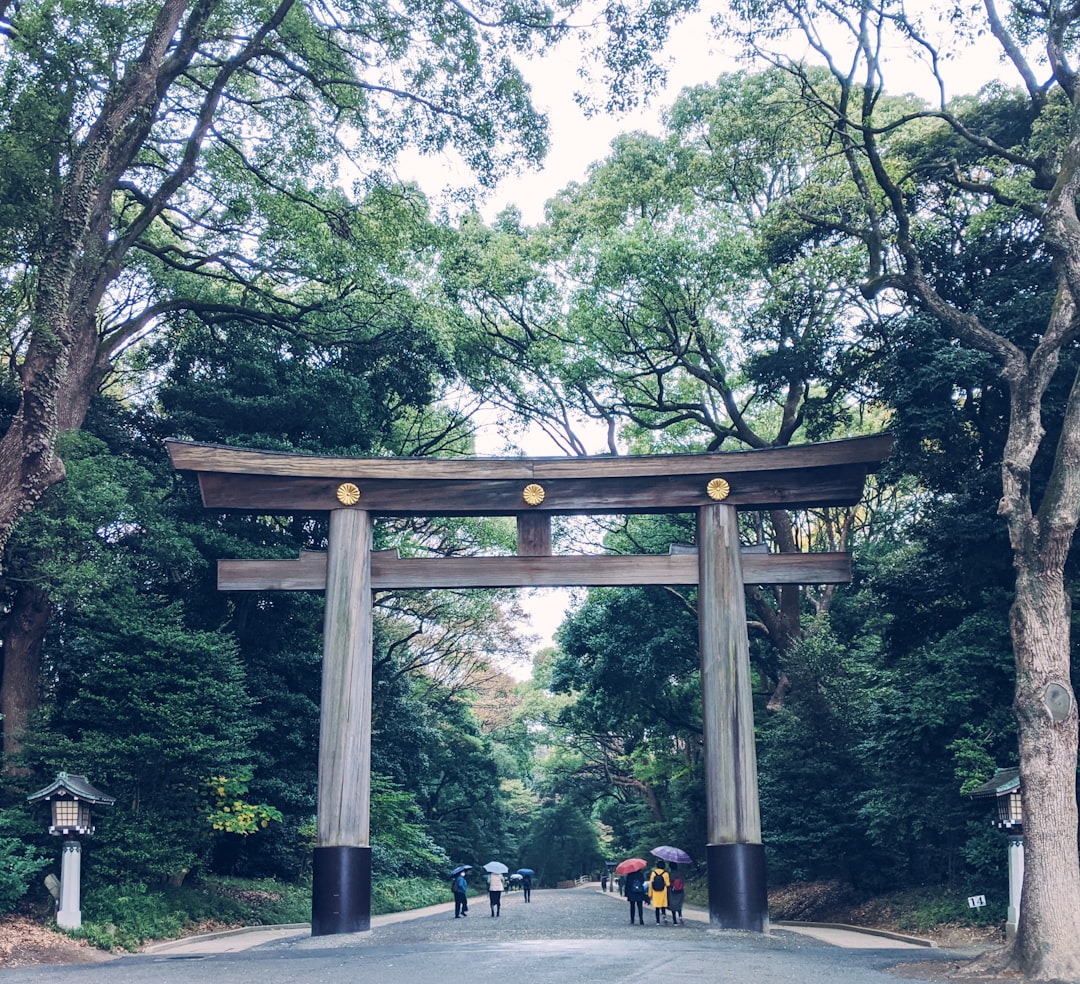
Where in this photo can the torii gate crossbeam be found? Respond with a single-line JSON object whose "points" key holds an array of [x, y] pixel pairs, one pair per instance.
{"points": [[355, 491]]}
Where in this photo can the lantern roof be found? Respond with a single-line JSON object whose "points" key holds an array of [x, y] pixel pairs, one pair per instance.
{"points": [[1003, 782], [77, 787]]}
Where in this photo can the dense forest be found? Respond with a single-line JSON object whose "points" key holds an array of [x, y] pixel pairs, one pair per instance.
{"points": [[798, 257]]}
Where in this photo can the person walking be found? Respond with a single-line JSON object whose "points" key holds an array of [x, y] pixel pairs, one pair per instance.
{"points": [[526, 887], [675, 900], [603, 881], [460, 888], [659, 883], [636, 893], [495, 890]]}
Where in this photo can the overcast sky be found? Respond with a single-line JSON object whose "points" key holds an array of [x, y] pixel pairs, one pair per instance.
{"points": [[693, 56]]}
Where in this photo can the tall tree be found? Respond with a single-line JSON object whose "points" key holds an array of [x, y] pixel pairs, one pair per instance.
{"points": [[1004, 155], [266, 388], [153, 134], [130, 679], [190, 156], [663, 302]]}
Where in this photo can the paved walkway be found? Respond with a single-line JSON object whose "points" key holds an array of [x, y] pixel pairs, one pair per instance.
{"points": [[573, 936], [232, 941]]}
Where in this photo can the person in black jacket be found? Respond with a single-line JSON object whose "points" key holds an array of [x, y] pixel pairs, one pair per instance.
{"points": [[636, 893]]}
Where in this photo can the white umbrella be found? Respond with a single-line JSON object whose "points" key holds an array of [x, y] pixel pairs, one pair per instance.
{"points": [[496, 866]]}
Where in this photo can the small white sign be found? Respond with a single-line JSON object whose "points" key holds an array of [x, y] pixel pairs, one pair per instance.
{"points": [[976, 901]]}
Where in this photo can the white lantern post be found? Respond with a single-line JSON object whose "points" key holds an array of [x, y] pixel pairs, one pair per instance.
{"points": [[1005, 788], [71, 797]]}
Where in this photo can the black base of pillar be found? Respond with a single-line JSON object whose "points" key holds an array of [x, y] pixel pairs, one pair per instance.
{"points": [[340, 890], [738, 896]]}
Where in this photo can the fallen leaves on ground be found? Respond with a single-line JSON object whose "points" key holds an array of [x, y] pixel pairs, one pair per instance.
{"points": [[24, 942]]}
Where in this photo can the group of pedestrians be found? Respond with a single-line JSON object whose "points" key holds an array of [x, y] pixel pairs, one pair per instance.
{"points": [[496, 885], [664, 893]]}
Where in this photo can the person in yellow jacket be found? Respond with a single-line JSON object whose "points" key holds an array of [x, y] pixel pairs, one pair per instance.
{"points": [[658, 882]]}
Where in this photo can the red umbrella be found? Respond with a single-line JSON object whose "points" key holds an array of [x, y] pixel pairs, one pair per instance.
{"points": [[630, 864]]}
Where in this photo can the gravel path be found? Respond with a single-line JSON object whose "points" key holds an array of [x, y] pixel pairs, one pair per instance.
{"points": [[577, 914], [575, 936], [586, 921]]}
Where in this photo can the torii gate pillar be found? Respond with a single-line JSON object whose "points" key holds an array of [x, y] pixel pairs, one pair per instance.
{"points": [[738, 897], [341, 868]]}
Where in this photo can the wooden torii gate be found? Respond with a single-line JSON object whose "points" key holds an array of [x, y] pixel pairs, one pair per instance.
{"points": [[356, 490]]}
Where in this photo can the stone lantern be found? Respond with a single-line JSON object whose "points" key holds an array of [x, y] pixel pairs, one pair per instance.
{"points": [[71, 798], [1006, 789]]}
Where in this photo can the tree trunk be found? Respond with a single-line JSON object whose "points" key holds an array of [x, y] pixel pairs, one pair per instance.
{"points": [[780, 611], [1048, 932], [1047, 944], [22, 636]]}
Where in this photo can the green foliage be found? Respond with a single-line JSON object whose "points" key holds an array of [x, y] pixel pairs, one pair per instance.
{"points": [[256, 387], [696, 308], [265, 901], [403, 894], [127, 914], [460, 775], [134, 685], [628, 743], [235, 377], [130, 680], [124, 915], [921, 912], [671, 296], [400, 844], [20, 861], [810, 800], [563, 842], [227, 813]]}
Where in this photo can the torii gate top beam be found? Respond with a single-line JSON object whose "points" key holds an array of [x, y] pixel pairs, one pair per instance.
{"points": [[831, 473]]}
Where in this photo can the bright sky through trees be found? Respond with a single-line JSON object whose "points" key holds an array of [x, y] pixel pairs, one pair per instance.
{"points": [[695, 56]]}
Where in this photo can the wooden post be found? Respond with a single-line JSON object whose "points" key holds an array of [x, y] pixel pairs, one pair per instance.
{"points": [[534, 534], [341, 872], [737, 890]]}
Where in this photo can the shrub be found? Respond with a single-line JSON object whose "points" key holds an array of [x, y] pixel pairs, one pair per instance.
{"points": [[931, 909], [401, 894], [125, 916], [19, 863]]}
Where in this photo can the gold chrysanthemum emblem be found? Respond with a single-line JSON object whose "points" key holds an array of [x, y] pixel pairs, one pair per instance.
{"points": [[533, 494], [348, 494], [718, 488]]}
